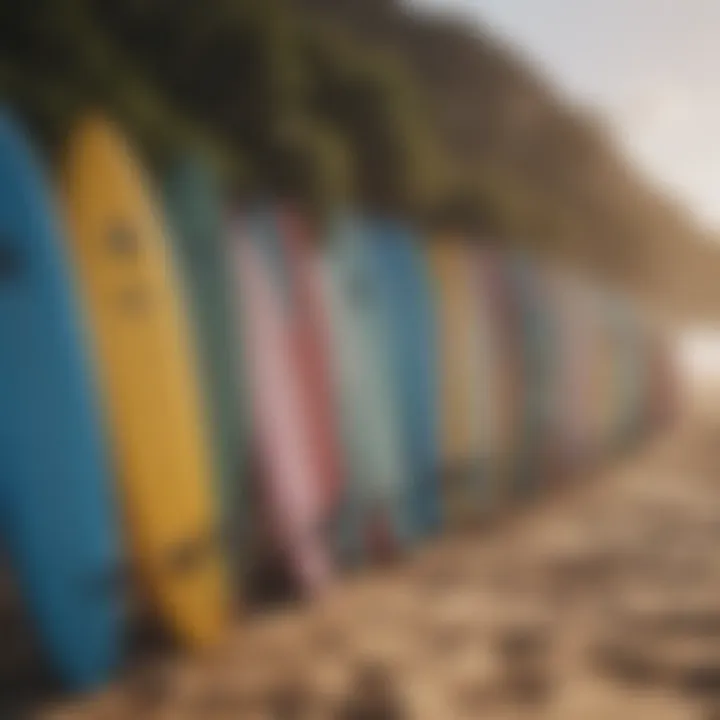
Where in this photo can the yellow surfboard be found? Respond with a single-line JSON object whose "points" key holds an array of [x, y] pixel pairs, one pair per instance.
{"points": [[456, 301], [147, 374]]}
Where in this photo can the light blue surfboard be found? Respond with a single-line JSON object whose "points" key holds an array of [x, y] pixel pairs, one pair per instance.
{"points": [[375, 490], [55, 487]]}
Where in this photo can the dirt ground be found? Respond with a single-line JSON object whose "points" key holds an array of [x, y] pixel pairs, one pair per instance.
{"points": [[601, 603]]}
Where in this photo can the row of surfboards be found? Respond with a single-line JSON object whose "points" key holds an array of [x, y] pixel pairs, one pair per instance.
{"points": [[183, 395]]}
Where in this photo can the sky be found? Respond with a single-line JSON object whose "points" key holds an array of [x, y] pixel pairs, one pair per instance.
{"points": [[650, 67]]}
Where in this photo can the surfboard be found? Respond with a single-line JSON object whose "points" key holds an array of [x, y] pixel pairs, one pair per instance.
{"points": [[581, 398], [567, 377], [502, 303], [643, 349], [496, 374], [559, 374], [194, 209], [636, 369], [373, 521], [666, 379], [403, 281], [657, 377], [289, 496], [465, 490], [310, 337], [535, 344], [602, 366], [616, 329], [150, 384], [56, 498], [613, 338], [599, 374]]}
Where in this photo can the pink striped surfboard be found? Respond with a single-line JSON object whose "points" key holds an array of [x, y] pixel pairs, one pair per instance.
{"points": [[312, 350], [289, 494]]}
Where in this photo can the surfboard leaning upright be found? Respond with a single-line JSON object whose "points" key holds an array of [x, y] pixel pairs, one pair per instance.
{"points": [[464, 493], [403, 281], [194, 208], [496, 374], [373, 518], [535, 329], [57, 513], [148, 377], [288, 496], [312, 346]]}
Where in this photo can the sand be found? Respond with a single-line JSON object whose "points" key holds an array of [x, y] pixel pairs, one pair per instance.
{"points": [[601, 602]]}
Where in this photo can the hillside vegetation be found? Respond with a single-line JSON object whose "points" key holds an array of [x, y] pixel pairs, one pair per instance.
{"points": [[335, 101]]}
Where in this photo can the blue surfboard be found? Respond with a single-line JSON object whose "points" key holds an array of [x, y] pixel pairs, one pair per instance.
{"points": [[404, 291], [55, 487]]}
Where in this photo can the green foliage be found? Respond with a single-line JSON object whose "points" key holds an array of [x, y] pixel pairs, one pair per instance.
{"points": [[335, 101], [285, 106], [370, 101]]}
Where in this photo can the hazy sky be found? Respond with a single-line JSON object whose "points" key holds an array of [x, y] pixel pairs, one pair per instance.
{"points": [[651, 66]]}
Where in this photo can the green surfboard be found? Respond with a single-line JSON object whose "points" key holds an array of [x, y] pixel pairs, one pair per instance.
{"points": [[194, 208]]}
